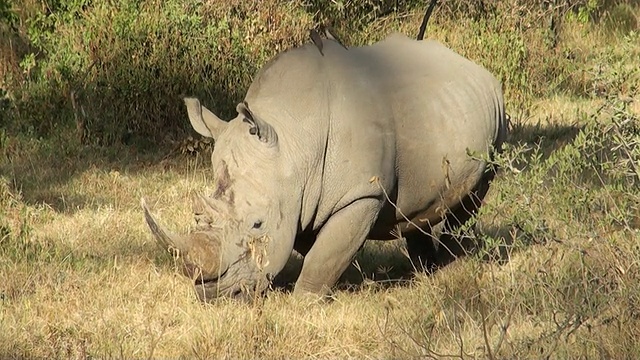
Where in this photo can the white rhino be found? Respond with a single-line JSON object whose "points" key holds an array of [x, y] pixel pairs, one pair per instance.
{"points": [[329, 149]]}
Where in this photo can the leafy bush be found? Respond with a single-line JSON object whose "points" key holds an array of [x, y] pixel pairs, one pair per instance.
{"points": [[109, 72], [121, 68], [591, 185]]}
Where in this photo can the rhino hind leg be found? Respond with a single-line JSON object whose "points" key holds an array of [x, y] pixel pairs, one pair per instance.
{"points": [[447, 242], [452, 242], [422, 249]]}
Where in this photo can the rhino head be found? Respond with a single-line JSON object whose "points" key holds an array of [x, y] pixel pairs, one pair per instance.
{"points": [[244, 230]]}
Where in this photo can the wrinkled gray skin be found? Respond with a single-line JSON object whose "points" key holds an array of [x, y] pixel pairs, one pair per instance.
{"points": [[306, 163]]}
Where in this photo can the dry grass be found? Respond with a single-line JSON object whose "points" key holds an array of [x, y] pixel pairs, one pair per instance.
{"points": [[87, 280], [81, 277]]}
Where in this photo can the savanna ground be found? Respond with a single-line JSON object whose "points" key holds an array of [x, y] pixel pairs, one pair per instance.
{"points": [[92, 120]]}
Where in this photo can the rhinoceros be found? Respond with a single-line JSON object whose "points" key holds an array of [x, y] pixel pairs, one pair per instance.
{"points": [[331, 148]]}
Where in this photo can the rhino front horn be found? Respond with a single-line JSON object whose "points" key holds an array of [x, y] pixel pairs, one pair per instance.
{"points": [[165, 239]]}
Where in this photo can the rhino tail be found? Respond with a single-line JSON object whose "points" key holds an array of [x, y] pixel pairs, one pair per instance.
{"points": [[425, 19]]}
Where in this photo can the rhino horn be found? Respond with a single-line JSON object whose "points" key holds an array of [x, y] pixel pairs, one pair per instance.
{"points": [[166, 240], [201, 255], [203, 120], [202, 210], [265, 132], [205, 260]]}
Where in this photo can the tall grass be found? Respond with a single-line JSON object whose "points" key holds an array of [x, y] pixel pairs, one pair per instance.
{"points": [[114, 72]]}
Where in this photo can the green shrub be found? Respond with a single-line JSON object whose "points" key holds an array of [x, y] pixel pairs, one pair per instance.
{"points": [[586, 189], [115, 69], [113, 72]]}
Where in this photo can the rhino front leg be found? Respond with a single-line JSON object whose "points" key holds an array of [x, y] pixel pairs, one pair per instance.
{"points": [[336, 245]]}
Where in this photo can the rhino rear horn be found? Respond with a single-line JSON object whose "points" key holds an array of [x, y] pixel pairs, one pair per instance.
{"points": [[203, 120], [265, 132], [166, 240]]}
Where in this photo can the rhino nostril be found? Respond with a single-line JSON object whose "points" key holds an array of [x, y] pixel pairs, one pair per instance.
{"points": [[238, 294]]}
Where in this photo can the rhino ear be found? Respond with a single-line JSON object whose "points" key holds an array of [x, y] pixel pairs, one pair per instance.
{"points": [[265, 132], [204, 121]]}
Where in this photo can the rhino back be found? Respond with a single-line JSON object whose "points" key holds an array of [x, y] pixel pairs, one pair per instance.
{"points": [[444, 107]]}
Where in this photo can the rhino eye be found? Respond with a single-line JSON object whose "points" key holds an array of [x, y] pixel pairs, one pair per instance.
{"points": [[257, 224]]}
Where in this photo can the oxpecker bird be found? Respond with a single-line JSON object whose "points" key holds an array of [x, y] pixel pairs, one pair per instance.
{"points": [[317, 40]]}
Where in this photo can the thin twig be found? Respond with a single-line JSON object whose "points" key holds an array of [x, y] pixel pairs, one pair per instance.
{"points": [[386, 195]]}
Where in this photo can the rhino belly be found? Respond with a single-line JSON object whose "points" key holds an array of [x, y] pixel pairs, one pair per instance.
{"points": [[423, 206], [389, 227]]}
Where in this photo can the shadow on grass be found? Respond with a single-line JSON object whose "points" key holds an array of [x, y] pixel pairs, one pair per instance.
{"points": [[379, 262], [57, 131], [549, 137], [42, 172], [382, 265]]}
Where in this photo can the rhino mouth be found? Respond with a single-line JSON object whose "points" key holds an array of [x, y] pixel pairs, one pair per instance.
{"points": [[212, 280], [211, 292], [233, 283]]}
